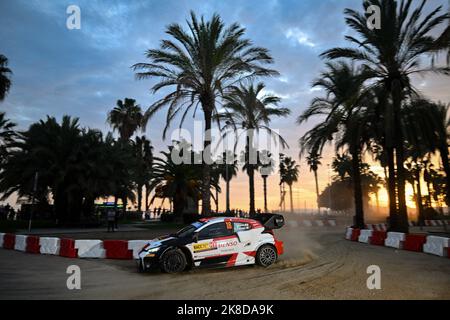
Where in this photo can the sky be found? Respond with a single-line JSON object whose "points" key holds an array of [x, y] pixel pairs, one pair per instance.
{"points": [[82, 73]]}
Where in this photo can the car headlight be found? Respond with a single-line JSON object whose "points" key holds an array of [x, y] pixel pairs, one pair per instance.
{"points": [[153, 250]]}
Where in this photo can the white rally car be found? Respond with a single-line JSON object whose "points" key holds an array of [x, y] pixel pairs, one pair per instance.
{"points": [[216, 242]]}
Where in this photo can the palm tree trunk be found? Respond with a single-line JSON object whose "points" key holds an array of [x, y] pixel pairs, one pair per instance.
{"points": [[251, 184], [217, 200], [391, 189], [317, 191], [291, 199], [228, 196], [419, 200], [139, 198], [206, 183], [265, 193], [400, 158], [446, 164], [358, 220], [146, 197]]}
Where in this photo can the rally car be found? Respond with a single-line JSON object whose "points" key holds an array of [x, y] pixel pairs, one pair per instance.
{"points": [[216, 242]]}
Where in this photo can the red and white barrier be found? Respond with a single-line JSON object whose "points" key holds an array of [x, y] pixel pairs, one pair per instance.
{"points": [[348, 233], [49, 245], [414, 242], [33, 245], [21, 243], [437, 246], [377, 226], [90, 248], [394, 240], [378, 238], [365, 235], [136, 246], [67, 248], [117, 249]]}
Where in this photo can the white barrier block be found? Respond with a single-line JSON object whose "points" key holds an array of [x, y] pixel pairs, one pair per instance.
{"points": [[436, 245], [348, 233], [136, 246], [394, 240], [293, 224], [307, 223], [332, 223], [364, 235], [1, 239], [21, 243], [90, 248], [49, 245], [319, 223]]}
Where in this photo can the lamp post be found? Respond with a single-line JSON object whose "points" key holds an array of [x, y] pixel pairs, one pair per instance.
{"points": [[33, 199]]}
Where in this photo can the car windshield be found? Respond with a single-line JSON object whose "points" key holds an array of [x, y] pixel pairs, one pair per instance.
{"points": [[189, 230]]}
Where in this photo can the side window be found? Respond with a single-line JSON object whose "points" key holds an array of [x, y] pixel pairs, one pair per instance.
{"points": [[241, 226], [216, 230]]}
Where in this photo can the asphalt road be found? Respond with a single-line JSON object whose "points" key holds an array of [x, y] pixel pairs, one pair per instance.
{"points": [[319, 264]]}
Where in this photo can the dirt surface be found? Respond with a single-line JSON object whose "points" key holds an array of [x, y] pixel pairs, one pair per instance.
{"points": [[319, 264]]}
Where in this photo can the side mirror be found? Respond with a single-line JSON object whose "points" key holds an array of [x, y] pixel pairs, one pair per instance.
{"points": [[195, 237]]}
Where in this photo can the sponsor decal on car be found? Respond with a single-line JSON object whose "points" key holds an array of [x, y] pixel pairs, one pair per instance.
{"points": [[205, 246]]}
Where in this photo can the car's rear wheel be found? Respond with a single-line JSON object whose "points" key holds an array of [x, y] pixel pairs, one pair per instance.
{"points": [[266, 255], [173, 261]]}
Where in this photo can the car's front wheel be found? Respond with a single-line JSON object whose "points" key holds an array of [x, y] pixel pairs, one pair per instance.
{"points": [[266, 255], [173, 261]]}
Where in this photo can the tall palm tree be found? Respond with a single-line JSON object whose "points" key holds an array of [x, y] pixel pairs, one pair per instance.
{"points": [[313, 161], [7, 135], [248, 111], [390, 55], [5, 81], [290, 175], [142, 168], [343, 108], [126, 118], [201, 64], [267, 167], [228, 170]]}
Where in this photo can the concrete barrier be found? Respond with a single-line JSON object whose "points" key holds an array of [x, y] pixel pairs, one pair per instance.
{"points": [[90, 248], [437, 246], [49, 245], [1, 239], [364, 236], [136, 246], [395, 240], [21, 243]]}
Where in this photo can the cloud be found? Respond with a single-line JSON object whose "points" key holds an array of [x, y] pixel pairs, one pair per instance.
{"points": [[299, 37]]}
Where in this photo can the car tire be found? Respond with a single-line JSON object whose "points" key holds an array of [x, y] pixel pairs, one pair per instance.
{"points": [[141, 268], [266, 256], [173, 261]]}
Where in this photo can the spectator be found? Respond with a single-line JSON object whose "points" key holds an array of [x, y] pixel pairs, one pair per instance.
{"points": [[110, 217]]}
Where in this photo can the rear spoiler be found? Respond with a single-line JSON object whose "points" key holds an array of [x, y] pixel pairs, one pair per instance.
{"points": [[270, 221]]}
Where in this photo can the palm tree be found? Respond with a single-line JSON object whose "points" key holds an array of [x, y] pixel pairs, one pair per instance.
{"points": [[343, 107], [390, 55], [248, 111], [126, 118], [7, 135], [228, 170], [5, 81], [313, 161], [290, 175], [142, 168], [201, 65], [267, 167]]}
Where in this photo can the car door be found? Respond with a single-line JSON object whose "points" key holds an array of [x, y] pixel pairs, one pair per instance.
{"points": [[216, 245], [246, 247]]}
